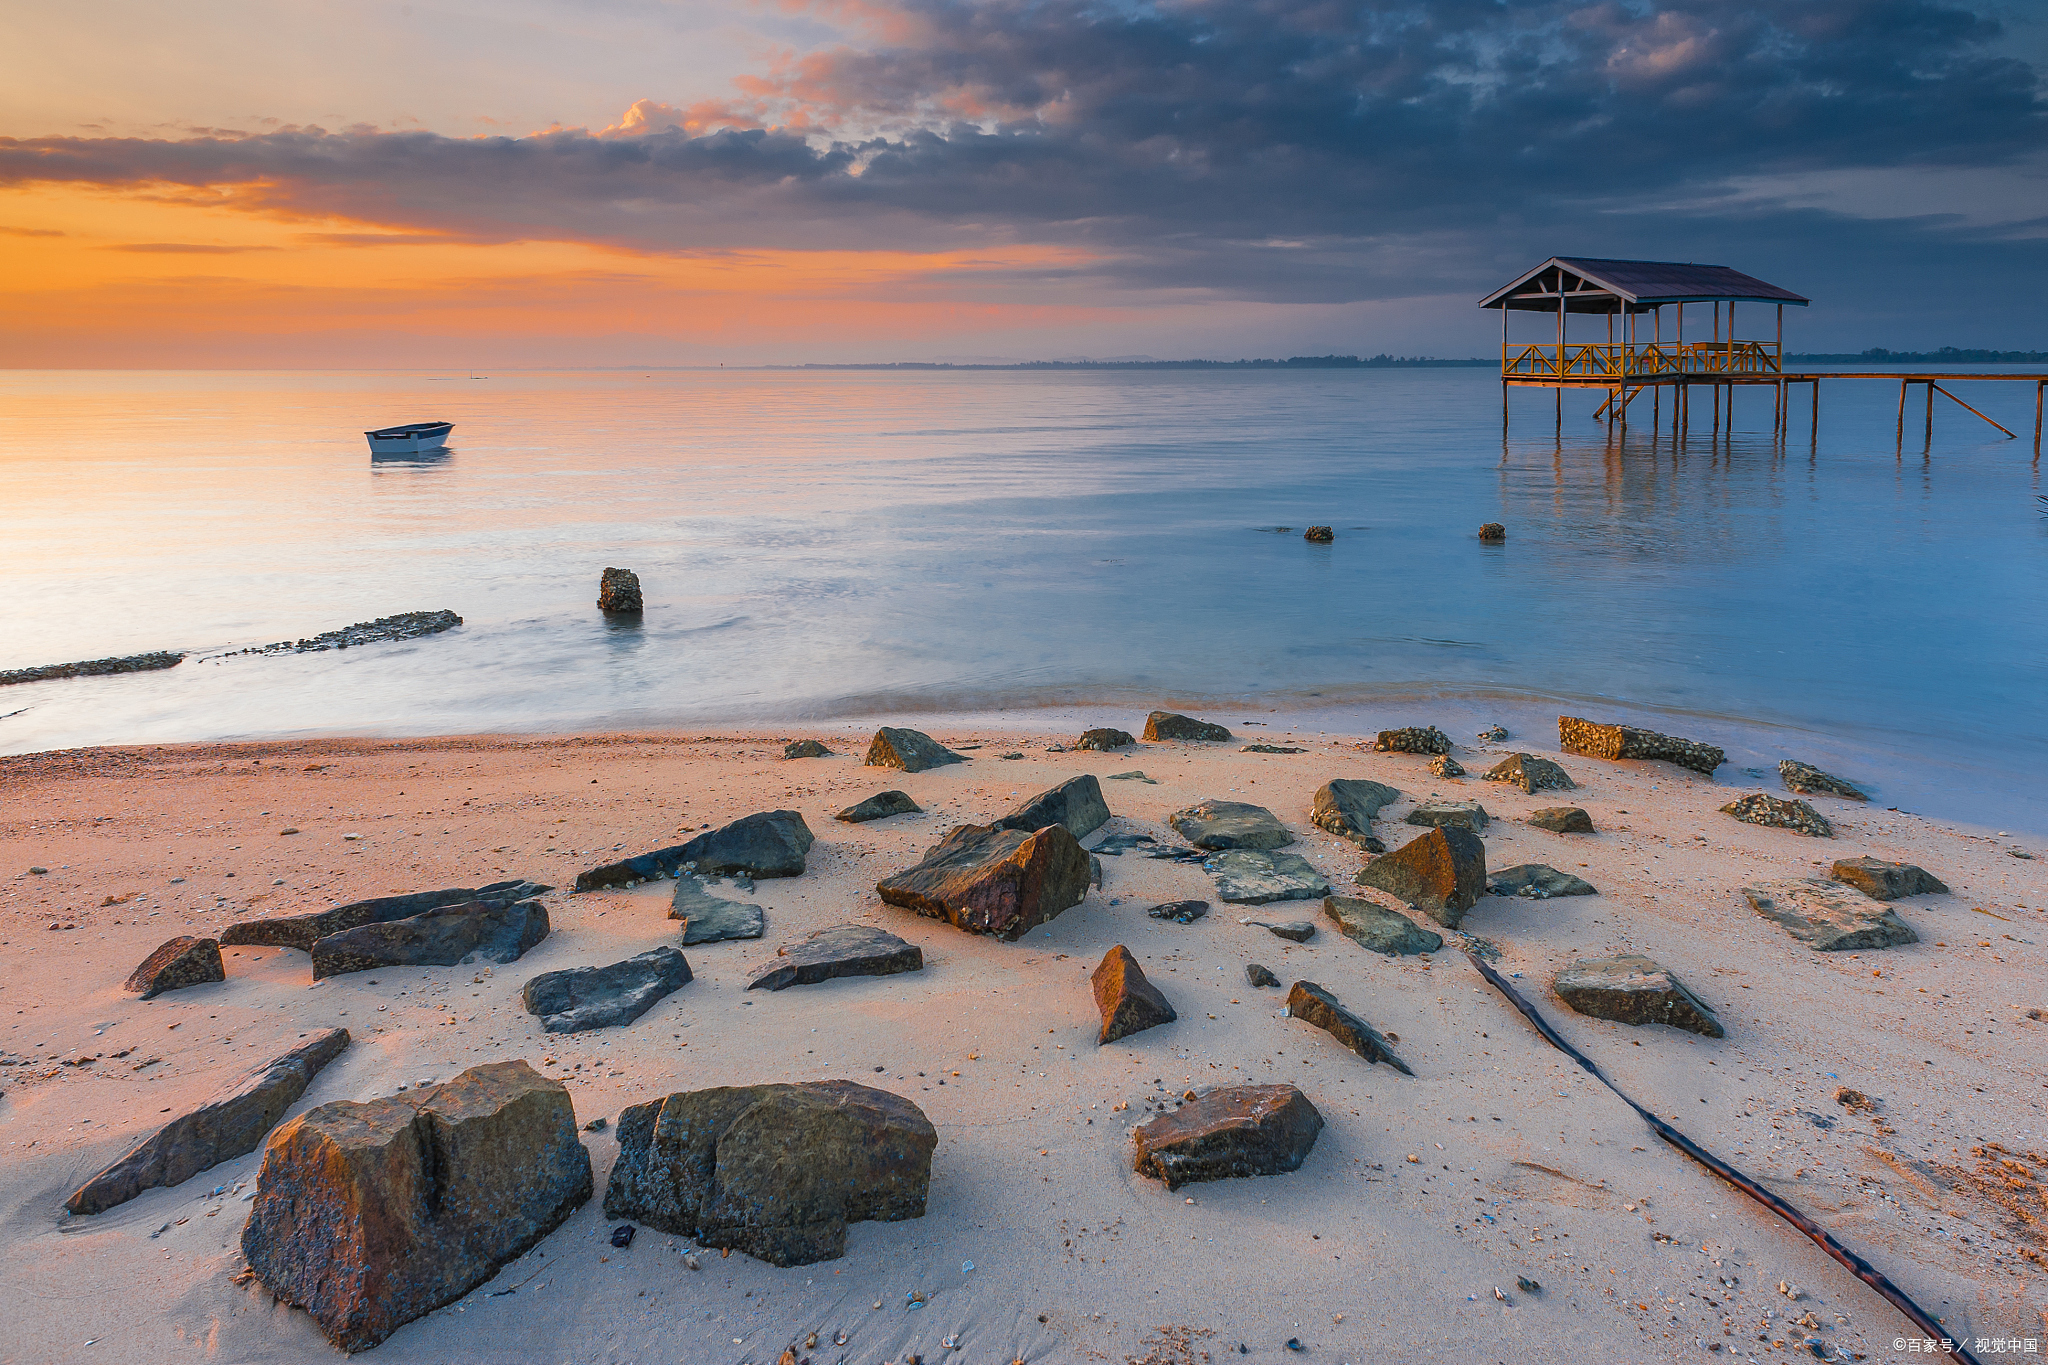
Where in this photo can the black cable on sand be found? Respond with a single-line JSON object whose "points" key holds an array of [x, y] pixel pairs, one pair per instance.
{"points": [[1857, 1266]]}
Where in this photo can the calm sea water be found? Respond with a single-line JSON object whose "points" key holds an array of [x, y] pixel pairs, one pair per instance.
{"points": [[819, 544]]}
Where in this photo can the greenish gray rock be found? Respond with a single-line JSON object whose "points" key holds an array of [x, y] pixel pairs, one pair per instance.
{"points": [[577, 999], [1562, 820], [1883, 881], [1229, 824], [769, 843], [1258, 975], [1808, 780], [1075, 803], [1530, 773], [1251, 877], [880, 806], [914, 751], [1827, 915], [1631, 989], [1347, 806], [844, 950], [1180, 912], [1759, 808], [806, 748], [303, 931], [1371, 925], [1312, 1004], [1293, 930], [1537, 882], [709, 918], [442, 937], [1449, 814]]}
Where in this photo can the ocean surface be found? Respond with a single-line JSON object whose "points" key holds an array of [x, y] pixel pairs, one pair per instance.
{"points": [[818, 545]]}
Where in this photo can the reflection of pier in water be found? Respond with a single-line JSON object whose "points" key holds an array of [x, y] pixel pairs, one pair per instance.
{"points": [[1629, 365]]}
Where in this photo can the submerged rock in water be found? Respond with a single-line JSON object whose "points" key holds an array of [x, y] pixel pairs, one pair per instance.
{"points": [[618, 592], [1127, 1002], [407, 625], [1827, 915], [1441, 873], [709, 918], [1562, 820], [1312, 1004], [775, 1171], [1229, 824], [580, 998], [303, 931], [1346, 807], [1250, 877], [1537, 882], [1759, 808], [1371, 925], [1172, 725], [224, 1127], [994, 881], [441, 937], [766, 844], [1591, 739], [843, 950], [182, 961], [913, 751], [1235, 1131], [370, 1215], [1413, 739], [1883, 881], [1631, 989], [93, 668], [1493, 532], [1321, 535], [1075, 803], [1530, 773], [1808, 780]]}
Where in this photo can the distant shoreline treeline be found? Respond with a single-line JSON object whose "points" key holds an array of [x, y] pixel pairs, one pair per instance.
{"points": [[1946, 355], [1298, 362]]}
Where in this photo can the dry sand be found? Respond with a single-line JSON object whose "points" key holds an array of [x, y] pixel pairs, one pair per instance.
{"points": [[1499, 1159]]}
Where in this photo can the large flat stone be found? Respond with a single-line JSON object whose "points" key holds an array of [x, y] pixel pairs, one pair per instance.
{"points": [[913, 751], [1347, 806], [1827, 915], [769, 843], [994, 881], [1537, 882], [880, 806], [1126, 1000], [177, 963], [1229, 824], [1449, 814], [843, 950], [1808, 780], [711, 918], [231, 1123], [580, 998], [1761, 808], [1075, 803], [1883, 881], [1312, 1004], [1592, 739], [1631, 989], [775, 1171], [1441, 873], [1240, 1130], [370, 1215], [1372, 925], [442, 937], [1530, 773], [1249, 877], [303, 931], [1172, 725]]}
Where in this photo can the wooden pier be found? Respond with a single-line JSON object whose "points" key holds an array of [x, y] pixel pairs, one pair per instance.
{"points": [[1632, 293]]}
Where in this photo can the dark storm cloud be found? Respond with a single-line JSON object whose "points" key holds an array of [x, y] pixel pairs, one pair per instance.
{"points": [[1282, 149]]}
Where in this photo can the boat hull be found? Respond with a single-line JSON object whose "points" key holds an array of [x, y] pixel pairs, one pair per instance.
{"points": [[409, 440]]}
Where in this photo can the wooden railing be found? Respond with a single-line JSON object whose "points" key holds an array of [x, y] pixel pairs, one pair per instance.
{"points": [[1619, 361]]}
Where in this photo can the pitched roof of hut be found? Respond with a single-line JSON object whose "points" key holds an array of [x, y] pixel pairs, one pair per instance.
{"points": [[1592, 285]]}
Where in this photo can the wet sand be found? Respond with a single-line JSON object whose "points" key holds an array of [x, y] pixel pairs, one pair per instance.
{"points": [[1523, 1165]]}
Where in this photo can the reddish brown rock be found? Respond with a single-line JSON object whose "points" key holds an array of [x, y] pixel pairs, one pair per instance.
{"points": [[369, 1215], [1883, 881], [1165, 725], [1127, 1001], [183, 961], [1595, 740], [1442, 873], [1241, 1130], [1413, 739], [994, 881], [1312, 1004], [229, 1124], [776, 1171], [911, 750]]}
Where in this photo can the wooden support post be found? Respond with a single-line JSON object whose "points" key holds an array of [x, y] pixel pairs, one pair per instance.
{"points": [[2039, 388], [1902, 415], [1816, 414], [1930, 413], [1967, 408]]}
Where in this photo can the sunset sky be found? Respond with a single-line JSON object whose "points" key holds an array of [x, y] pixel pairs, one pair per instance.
{"points": [[539, 182]]}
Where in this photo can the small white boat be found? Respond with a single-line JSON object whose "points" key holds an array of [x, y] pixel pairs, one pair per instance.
{"points": [[410, 439]]}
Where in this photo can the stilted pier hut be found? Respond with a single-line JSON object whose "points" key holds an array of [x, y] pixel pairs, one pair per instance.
{"points": [[1646, 346]]}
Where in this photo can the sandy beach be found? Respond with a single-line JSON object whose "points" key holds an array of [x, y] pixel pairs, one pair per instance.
{"points": [[1425, 1203]]}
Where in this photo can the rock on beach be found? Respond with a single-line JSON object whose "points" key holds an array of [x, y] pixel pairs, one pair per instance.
{"points": [[1413, 739], [1441, 873], [1312, 1004], [1252, 877], [766, 844], [1347, 806], [1883, 881], [843, 950], [1075, 803], [177, 963], [303, 931], [1126, 1000], [709, 918], [1229, 824], [1808, 780], [1469, 815], [1530, 773], [1104, 739], [1372, 925], [441, 937], [581, 998], [369, 1215], [1632, 989], [913, 751], [1562, 820], [1592, 739], [880, 806], [231, 1123], [1827, 916], [994, 881], [1235, 1131], [1172, 725], [775, 1171], [806, 748], [1537, 882], [1775, 812]]}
